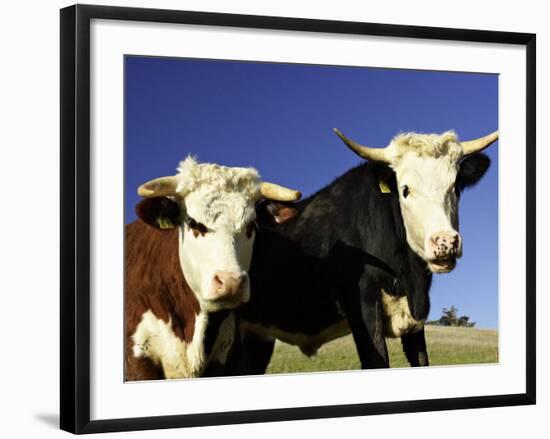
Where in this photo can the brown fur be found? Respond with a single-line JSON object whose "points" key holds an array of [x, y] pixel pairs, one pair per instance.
{"points": [[154, 281]]}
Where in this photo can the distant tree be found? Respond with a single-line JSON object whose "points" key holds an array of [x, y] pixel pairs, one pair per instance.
{"points": [[465, 321], [450, 317]]}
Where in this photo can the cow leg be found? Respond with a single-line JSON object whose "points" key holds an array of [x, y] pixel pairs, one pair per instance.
{"points": [[364, 315], [251, 355], [414, 347], [259, 352], [214, 369]]}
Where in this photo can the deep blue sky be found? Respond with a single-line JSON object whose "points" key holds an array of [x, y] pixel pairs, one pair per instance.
{"points": [[278, 118]]}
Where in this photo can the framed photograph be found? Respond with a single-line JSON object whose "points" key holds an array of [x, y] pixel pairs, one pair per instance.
{"points": [[268, 219]]}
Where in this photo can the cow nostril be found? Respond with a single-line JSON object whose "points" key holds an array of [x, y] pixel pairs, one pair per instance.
{"points": [[444, 243], [225, 283]]}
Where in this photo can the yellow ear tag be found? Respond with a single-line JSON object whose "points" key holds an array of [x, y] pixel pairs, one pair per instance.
{"points": [[165, 223], [384, 188]]}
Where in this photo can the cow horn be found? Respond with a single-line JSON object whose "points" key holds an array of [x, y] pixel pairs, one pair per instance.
{"points": [[373, 154], [158, 187], [477, 145], [273, 191]]}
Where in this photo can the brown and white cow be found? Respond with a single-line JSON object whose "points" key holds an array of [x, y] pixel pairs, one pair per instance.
{"points": [[187, 258]]}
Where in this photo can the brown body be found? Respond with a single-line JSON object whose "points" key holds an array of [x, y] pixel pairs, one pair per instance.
{"points": [[154, 281]]}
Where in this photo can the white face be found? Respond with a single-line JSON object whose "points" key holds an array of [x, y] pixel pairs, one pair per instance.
{"points": [[426, 168], [216, 237], [429, 206], [216, 211]]}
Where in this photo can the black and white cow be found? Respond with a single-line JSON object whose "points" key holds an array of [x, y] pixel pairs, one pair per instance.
{"points": [[360, 255]]}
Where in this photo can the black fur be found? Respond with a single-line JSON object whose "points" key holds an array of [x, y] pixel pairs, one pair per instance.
{"points": [[346, 244], [472, 168], [151, 210]]}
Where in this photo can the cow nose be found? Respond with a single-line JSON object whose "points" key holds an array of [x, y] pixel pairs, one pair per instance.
{"points": [[444, 244], [228, 285]]}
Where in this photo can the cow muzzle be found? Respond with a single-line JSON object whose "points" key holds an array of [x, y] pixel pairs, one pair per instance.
{"points": [[230, 288], [442, 251]]}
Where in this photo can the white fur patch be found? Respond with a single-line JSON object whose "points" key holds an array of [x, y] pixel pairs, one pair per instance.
{"points": [[398, 319], [308, 343], [426, 145], [155, 339], [427, 164], [193, 176], [224, 340], [201, 257]]}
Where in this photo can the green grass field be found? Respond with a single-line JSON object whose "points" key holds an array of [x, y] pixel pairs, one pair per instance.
{"points": [[446, 346]]}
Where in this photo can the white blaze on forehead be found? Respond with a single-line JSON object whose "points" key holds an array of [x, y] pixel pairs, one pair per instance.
{"points": [[428, 160], [427, 164], [218, 195], [220, 210], [426, 145], [195, 176]]}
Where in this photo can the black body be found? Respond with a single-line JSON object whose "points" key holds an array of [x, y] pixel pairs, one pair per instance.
{"points": [[331, 262]]}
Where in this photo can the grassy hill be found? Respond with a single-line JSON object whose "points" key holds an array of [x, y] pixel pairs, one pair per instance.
{"points": [[446, 346]]}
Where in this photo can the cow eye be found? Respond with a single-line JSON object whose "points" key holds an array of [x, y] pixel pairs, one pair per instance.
{"points": [[196, 227], [250, 228], [406, 191]]}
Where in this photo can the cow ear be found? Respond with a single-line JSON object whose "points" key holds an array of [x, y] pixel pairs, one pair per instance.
{"points": [[385, 178], [472, 169], [282, 213], [270, 212], [158, 212]]}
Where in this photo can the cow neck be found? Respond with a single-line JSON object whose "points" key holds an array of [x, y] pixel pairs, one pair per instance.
{"points": [[408, 272], [157, 274], [413, 278]]}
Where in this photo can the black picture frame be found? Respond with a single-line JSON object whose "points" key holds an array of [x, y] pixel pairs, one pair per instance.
{"points": [[75, 217]]}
